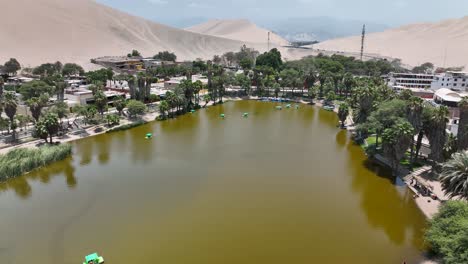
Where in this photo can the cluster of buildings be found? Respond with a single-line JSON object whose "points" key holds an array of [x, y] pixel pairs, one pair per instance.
{"points": [[130, 64], [446, 89]]}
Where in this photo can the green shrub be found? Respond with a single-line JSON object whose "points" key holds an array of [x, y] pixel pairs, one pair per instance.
{"points": [[448, 232], [136, 108], [125, 127], [20, 161]]}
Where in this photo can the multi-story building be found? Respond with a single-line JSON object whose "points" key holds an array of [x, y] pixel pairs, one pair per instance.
{"points": [[410, 80], [457, 81]]}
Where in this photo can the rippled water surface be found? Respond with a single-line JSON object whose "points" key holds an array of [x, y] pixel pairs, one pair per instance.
{"points": [[277, 187]]}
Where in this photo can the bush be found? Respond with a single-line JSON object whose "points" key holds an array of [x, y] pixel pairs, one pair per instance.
{"points": [[20, 161], [448, 232], [125, 127], [135, 108]]}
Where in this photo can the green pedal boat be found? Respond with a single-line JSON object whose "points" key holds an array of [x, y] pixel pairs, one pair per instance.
{"points": [[93, 259]]}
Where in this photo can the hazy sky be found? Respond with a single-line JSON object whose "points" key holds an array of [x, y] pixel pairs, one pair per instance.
{"points": [[389, 12]]}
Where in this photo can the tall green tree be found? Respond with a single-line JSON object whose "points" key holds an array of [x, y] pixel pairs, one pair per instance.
{"points": [[48, 69], [436, 133], [35, 89], [463, 125], [414, 113], [164, 108], [343, 112], [313, 93], [197, 87], [396, 140], [10, 104], [100, 77], [349, 83], [246, 64], [135, 108], [51, 124], [70, 69], [165, 56], [60, 90], [364, 104], [271, 59], [36, 104], [120, 103], [100, 100], [188, 90], [12, 66]]}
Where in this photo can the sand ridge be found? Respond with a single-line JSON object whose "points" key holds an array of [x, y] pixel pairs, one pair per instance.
{"points": [[41, 31], [442, 43], [238, 29]]}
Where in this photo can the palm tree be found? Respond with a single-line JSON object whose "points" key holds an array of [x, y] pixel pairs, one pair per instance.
{"points": [[454, 176], [164, 108], [11, 105], [396, 141], [343, 112], [414, 113], [119, 103], [365, 104], [171, 99], [60, 89], [436, 133], [132, 86], [463, 125], [1, 94], [337, 78], [197, 87], [348, 81], [35, 106], [322, 77], [100, 100], [207, 99]]}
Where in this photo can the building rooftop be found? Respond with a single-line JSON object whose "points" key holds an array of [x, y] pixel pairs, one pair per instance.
{"points": [[117, 59], [449, 95]]}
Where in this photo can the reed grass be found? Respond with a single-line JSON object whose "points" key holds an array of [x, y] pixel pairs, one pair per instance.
{"points": [[20, 161]]}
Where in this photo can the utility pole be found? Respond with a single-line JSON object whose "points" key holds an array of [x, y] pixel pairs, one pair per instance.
{"points": [[268, 41], [363, 39]]}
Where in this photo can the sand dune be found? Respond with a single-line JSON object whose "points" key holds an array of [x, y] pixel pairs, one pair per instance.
{"points": [[41, 31], [241, 29], [442, 43]]}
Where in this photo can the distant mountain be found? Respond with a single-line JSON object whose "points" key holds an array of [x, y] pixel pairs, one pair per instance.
{"points": [[238, 29], [318, 28]]}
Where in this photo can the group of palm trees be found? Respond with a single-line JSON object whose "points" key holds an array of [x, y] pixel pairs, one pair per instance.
{"points": [[400, 118]]}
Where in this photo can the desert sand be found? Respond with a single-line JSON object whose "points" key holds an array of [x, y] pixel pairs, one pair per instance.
{"points": [[41, 31], [442, 43], [238, 29]]}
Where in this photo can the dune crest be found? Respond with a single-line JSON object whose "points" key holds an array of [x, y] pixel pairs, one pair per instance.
{"points": [[41, 31], [238, 29], [442, 43]]}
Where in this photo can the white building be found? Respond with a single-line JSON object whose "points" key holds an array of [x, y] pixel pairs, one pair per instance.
{"points": [[173, 82], [410, 80], [451, 80], [448, 97]]}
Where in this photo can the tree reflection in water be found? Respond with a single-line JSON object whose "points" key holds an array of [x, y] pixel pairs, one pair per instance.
{"points": [[395, 204], [22, 187]]}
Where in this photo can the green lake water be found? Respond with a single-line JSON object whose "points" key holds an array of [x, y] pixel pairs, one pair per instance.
{"points": [[281, 186]]}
